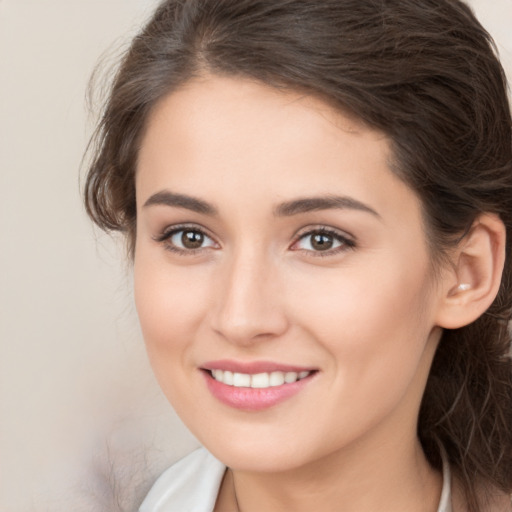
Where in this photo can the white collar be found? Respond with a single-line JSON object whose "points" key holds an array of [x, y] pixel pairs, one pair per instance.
{"points": [[445, 503]]}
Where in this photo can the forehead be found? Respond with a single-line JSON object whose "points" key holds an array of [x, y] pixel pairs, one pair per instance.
{"points": [[239, 139]]}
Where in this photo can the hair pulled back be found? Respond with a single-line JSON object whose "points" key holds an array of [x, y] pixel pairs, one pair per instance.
{"points": [[425, 73]]}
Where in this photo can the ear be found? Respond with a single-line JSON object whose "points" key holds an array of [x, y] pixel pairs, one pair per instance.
{"points": [[471, 284]]}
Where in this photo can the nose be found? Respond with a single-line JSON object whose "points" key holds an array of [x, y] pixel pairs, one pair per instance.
{"points": [[249, 302]]}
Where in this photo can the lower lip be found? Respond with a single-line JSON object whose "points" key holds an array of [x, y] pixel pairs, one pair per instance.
{"points": [[253, 399]]}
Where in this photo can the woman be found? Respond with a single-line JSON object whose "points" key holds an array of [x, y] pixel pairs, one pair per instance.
{"points": [[318, 200]]}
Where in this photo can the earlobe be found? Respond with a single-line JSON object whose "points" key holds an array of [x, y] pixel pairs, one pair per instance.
{"points": [[471, 285]]}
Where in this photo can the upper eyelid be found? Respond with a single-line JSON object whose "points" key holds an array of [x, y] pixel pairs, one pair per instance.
{"points": [[324, 229], [175, 228]]}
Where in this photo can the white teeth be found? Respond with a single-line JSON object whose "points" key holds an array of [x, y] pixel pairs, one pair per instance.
{"points": [[228, 378], [241, 380], [290, 377], [276, 379], [258, 380]]}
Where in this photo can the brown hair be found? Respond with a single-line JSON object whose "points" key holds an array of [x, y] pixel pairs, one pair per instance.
{"points": [[422, 71]]}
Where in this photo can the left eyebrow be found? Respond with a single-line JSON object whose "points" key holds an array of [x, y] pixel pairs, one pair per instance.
{"points": [[313, 204], [167, 198]]}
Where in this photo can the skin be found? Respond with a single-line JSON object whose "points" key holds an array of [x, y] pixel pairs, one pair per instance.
{"points": [[364, 314]]}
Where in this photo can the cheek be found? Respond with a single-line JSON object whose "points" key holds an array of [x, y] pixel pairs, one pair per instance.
{"points": [[375, 333], [170, 302], [374, 323], [363, 298]]}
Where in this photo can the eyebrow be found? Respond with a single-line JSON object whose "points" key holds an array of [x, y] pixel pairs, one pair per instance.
{"points": [[313, 204], [166, 198], [286, 209]]}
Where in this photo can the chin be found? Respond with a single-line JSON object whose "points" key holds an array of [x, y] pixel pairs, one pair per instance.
{"points": [[260, 453], [256, 460]]}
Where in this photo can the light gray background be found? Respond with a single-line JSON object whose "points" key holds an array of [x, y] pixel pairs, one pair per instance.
{"points": [[83, 426]]}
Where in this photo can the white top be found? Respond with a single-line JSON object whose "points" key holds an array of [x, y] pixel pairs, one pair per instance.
{"points": [[192, 485]]}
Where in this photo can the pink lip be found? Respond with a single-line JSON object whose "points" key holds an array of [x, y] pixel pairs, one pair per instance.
{"points": [[253, 399]]}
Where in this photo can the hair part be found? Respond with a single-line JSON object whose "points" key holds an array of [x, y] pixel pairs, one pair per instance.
{"points": [[425, 73]]}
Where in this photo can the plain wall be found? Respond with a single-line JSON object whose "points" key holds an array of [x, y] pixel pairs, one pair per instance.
{"points": [[83, 425]]}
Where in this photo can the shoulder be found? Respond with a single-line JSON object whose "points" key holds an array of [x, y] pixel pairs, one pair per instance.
{"points": [[192, 484]]}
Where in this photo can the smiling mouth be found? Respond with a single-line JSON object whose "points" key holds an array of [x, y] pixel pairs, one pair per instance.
{"points": [[247, 387], [257, 380]]}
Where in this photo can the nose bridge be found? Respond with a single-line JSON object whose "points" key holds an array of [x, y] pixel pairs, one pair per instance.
{"points": [[248, 305]]}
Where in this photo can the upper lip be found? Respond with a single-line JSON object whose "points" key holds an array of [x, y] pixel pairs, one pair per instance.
{"points": [[253, 367]]}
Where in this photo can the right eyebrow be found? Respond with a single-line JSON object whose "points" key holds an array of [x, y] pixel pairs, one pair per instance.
{"points": [[316, 203], [167, 198]]}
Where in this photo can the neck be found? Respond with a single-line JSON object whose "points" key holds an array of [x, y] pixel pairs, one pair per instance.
{"points": [[400, 480]]}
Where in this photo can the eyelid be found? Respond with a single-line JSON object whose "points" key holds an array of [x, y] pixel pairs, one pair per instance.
{"points": [[173, 228], [165, 236], [348, 242]]}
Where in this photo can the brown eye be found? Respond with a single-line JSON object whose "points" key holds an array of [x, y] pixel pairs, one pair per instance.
{"points": [[322, 242], [192, 239], [186, 240]]}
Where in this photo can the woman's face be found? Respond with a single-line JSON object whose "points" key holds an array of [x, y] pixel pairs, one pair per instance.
{"points": [[274, 244]]}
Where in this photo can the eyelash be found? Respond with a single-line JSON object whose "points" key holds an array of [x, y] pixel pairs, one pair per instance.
{"points": [[166, 236], [346, 242]]}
